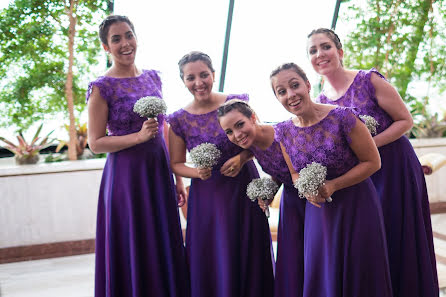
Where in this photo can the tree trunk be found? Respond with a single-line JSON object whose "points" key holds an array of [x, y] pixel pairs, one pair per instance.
{"points": [[418, 34], [72, 155]]}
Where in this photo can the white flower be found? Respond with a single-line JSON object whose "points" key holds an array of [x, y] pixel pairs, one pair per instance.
{"points": [[370, 123], [205, 155], [311, 178], [264, 188], [150, 107]]}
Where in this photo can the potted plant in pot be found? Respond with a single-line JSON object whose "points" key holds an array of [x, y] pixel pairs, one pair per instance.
{"points": [[28, 153]]}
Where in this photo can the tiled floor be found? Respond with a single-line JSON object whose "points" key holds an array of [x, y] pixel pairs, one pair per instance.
{"points": [[74, 276]]}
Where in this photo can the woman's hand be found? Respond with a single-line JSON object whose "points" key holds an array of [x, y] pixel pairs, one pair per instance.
{"points": [[316, 200], [148, 130], [264, 204], [181, 194], [204, 173], [231, 167], [327, 189]]}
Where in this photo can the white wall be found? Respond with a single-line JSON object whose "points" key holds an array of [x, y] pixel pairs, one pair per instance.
{"points": [[47, 203]]}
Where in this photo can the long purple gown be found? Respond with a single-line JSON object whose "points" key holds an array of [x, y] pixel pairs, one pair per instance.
{"points": [[290, 236], [139, 244], [228, 242], [345, 252], [403, 195]]}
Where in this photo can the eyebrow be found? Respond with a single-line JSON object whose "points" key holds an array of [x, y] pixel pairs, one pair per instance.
{"points": [[130, 31], [323, 43]]}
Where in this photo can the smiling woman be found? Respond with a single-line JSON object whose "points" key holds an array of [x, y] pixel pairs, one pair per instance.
{"points": [[139, 244]]}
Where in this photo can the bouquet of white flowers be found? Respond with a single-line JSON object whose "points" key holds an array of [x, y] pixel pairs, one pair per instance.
{"points": [[311, 178], [264, 188], [205, 155], [150, 107], [370, 123]]}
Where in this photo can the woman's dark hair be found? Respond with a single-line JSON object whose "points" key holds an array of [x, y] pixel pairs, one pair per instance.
{"points": [[110, 20], [235, 104], [288, 66], [330, 34], [193, 57]]}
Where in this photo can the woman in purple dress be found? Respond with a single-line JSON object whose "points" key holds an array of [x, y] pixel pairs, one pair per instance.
{"points": [[344, 241], [400, 182], [240, 124], [139, 244], [228, 242]]}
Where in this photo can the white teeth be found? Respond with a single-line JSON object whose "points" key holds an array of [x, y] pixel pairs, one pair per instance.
{"points": [[295, 103], [323, 62]]}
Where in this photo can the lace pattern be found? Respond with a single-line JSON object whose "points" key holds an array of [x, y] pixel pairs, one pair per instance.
{"points": [[272, 162], [361, 95], [195, 129], [121, 94], [326, 142]]}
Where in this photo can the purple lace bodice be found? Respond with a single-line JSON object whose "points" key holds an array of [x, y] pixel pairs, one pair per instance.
{"points": [[195, 129], [361, 96], [121, 94], [272, 162], [326, 142]]}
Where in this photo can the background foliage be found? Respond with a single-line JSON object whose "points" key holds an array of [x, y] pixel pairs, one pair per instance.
{"points": [[34, 57], [406, 41]]}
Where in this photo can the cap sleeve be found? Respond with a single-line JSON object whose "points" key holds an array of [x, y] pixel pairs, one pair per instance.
{"points": [[105, 90], [368, 82], [174, 123], [279, 128], [347, 121]]}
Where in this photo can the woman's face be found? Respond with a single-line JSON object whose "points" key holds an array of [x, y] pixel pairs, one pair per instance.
{"points": [[240, 129], [121, 43], [292, 91], [324, 56], [199, 79]]}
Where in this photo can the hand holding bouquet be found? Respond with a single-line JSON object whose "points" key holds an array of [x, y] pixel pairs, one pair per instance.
{"points": [[262, 188], [311, 178], [150, 107]]}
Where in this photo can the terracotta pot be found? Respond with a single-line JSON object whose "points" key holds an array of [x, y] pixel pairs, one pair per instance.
{"points": [[24, 160]]}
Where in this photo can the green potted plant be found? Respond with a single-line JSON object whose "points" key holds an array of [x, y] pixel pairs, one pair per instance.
{"points": [[28, 153], [426, 125]]}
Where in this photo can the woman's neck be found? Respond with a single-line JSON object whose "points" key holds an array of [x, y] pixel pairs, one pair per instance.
{"points": [[207, 105], [337, 79], [264, 136], [313, 115], [122, 71]]}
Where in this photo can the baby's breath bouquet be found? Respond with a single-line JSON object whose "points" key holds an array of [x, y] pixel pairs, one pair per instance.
{"points": [[150, 107], [370, 123], [311, 178], [205, 155], [262, 188]]}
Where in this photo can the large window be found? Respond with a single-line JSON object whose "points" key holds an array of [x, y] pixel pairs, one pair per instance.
{"points": [[264, 34]]}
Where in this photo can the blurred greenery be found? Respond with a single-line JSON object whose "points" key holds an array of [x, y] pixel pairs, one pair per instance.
{"points": [[34, 57], [406, 42]]}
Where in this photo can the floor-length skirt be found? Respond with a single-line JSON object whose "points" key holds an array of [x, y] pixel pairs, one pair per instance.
{"points": [[344, 247], [401, 187], [228, 240], [290, 245], [139, 245]]}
